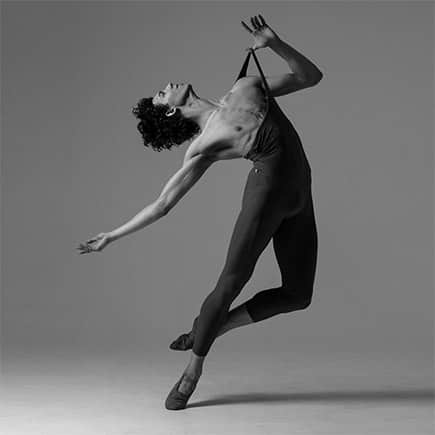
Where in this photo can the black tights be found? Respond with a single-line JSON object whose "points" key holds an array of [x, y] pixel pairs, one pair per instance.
{"points": [[288, 219]]}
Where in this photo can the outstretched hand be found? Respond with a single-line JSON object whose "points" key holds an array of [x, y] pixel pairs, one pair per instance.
{"points": [[95, 244], [263, 35]]}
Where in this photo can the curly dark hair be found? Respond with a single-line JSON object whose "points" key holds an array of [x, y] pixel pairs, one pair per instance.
{"points": [[160, 131]]}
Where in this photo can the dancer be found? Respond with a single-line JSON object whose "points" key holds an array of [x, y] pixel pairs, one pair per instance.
{"points": [[277, 201]]}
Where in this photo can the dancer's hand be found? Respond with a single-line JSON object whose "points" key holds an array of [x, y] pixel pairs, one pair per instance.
{"points": [[263, 35], [95, 244]]}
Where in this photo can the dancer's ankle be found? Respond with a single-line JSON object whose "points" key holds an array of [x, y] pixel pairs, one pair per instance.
{"points": [[193, 372], [194, 368]]}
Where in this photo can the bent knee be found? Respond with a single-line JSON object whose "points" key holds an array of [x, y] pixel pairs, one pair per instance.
{"points": [[294, 302], [304, 304]]}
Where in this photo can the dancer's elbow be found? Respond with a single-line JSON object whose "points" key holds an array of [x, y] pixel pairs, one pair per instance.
{"points": [[315, 78], [162, 207]]}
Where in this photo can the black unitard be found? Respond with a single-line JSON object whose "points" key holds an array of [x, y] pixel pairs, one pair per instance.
{"points": [[277, 204]]}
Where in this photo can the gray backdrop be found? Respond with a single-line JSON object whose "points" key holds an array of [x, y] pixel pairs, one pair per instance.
{"points": [[73, 165]]}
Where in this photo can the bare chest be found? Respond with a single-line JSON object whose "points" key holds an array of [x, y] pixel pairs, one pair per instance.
{"points": [[233, 127]]}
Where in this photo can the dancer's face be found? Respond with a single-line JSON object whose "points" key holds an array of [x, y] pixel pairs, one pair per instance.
{"points": [[173, 94]]}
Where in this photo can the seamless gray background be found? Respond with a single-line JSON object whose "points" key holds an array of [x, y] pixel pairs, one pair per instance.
{"points": [[73, 165]]}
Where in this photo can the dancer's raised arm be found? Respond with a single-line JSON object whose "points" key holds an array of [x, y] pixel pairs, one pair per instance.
{"points": [[303, 73]]}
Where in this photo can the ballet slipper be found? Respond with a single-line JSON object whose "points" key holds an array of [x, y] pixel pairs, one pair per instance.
{"points": [[185, 341], [177, 399]]}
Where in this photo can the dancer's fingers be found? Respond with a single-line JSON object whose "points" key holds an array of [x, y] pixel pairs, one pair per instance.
{"points": [[84, 248], [257, 21], [254, 24], [246, 27], [263, 22]]}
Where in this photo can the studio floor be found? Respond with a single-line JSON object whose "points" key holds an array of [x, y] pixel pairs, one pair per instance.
{"points": [[241, 392]]}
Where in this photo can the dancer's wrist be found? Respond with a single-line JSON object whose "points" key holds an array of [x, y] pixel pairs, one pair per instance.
{"points": [[275, 42], [113, 236]]}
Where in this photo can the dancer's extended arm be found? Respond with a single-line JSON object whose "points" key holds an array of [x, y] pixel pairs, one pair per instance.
{"points": [[177, 186]]}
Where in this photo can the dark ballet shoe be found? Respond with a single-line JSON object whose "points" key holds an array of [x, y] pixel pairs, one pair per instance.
{"points": [[176, 399], [185, 341]]}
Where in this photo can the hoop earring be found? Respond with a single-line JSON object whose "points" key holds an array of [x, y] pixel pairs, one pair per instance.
{"points": [[171, 112]]}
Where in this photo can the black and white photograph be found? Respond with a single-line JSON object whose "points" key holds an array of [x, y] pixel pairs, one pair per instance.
{"points": [[217, 217]]}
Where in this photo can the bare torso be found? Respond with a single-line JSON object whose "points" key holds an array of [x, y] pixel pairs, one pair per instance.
{"points": [[231, 129]]}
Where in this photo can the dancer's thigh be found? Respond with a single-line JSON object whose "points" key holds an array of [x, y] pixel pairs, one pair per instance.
{"points": [[261, 213]]}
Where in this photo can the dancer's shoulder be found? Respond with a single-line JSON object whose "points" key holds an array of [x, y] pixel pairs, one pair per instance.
{"points": [[247, 81]]}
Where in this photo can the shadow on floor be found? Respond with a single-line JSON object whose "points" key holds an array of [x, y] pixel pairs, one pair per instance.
{"points": [[414, 395]]}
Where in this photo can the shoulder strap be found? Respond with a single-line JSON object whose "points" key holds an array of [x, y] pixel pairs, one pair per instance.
{"points": [[244, 69], [266, 86]]}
